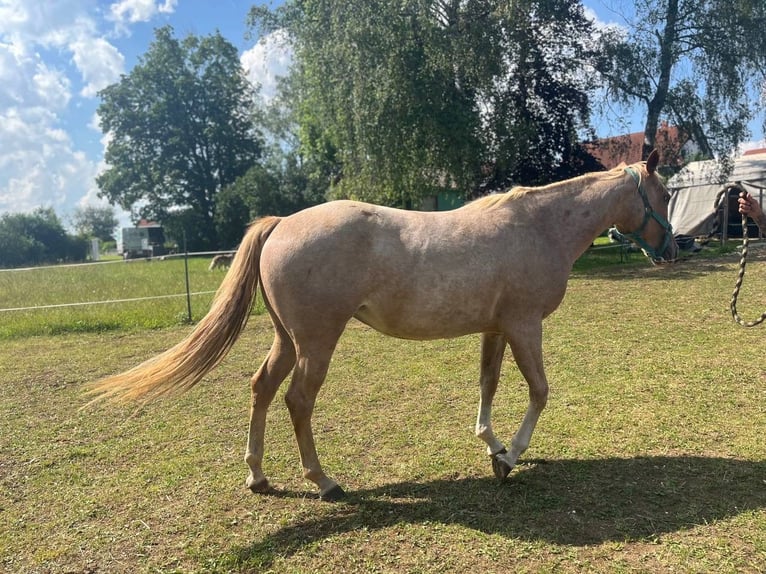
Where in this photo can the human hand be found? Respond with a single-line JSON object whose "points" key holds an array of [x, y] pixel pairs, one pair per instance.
{"points": [[748, 205]]}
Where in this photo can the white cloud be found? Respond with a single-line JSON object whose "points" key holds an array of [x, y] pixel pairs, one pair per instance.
{"points": [[55, 55], [48, 51], [168, 6], [39, 163], [65, 27], [51, 86], [54, 58], [132, 11], [268, 60], [590, 14], [98, 61]]}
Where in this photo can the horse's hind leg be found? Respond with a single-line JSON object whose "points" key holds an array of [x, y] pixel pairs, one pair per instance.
{"points": [[308, 376], [264, 385]]}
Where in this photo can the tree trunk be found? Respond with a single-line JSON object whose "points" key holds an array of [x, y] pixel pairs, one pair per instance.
{"points": [[655, 105]]}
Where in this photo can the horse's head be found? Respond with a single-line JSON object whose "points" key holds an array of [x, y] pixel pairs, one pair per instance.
{"points": [[646, 224]]}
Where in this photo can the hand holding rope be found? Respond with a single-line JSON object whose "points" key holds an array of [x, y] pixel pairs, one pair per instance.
{"points": [[741, 274]]}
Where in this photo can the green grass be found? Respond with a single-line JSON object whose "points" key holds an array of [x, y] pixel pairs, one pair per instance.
{"points": [[104, 282], [649, 458]]}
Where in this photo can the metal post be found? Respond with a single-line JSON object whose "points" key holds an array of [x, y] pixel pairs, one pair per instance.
{"points": [[186, 272], [725, 226]]}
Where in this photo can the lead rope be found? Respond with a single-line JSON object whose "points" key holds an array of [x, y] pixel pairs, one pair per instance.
{"points": [[740, 278]]}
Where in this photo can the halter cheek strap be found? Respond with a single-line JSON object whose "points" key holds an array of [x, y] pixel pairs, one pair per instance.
{"points": [[649, 213]]}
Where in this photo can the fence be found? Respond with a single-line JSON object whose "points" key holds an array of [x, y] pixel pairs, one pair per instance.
{"points": [[55, 298]]}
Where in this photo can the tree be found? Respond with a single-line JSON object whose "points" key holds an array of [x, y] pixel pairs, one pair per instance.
{"points": [[280, 187], [92, 221], [398, 100], [699, 64], [36, 238], [182, 128]]}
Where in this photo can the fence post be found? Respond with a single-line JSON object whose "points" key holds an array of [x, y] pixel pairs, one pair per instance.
{"points": [[186, 272]]}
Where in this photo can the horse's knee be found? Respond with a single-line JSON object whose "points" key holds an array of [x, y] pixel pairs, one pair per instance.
{"points": [[538, 395]]}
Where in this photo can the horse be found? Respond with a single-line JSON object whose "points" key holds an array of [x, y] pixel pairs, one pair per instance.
{"points": [[497, 266], [222, 261]]}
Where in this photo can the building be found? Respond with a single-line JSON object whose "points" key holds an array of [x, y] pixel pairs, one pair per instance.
{"points": [[674, 146]]}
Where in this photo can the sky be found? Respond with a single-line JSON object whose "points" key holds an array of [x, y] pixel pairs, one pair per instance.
{"points": [[55, 56]]}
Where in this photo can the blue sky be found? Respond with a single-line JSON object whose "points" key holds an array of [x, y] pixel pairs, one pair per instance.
{"points": [[55, 55]]}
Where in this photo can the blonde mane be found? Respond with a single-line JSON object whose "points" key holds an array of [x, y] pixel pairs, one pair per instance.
{"points": [[501, 198]]}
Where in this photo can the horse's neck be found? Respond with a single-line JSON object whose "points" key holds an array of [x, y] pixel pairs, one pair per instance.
{"points": [[583, 209]]}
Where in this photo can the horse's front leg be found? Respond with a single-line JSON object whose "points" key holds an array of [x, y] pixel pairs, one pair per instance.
{"points": [[527, 345], [492, 350]]}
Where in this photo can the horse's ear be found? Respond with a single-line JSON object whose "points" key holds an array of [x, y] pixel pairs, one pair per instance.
{"points": [[652, 161]]}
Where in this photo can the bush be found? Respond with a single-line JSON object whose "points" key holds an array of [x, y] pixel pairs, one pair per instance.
{"points": [[37, 238]]}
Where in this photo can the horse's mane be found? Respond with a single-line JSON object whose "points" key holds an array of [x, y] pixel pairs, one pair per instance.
{"points": [[501, 198]]}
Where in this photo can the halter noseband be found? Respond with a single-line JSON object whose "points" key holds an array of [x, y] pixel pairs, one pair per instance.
{"points": [[649, 213]]}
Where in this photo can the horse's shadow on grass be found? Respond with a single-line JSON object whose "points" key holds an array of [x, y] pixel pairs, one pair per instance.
{"points": [[566, 502]]}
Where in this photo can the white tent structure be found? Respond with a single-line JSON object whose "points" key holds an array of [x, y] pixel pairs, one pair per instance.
{"points": [[701, 201]]}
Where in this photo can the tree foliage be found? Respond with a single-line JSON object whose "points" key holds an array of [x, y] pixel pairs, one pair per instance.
{"points": [[700, 64], [279, 187], [36, 238], [395, 100], [181, 129], [93, 221]]}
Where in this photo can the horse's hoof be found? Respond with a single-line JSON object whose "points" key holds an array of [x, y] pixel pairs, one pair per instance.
{"points": [[335, 494], [260, 486], [501, 468]]}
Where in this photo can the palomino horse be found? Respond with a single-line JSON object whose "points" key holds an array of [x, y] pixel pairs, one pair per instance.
{"points": [[497, 266]]}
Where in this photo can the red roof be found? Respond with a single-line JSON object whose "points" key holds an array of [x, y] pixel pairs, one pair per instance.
{"points": [[611, 152], [755, 151]]}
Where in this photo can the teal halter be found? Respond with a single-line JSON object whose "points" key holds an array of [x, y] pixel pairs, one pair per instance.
{"points": [[649, 213]]}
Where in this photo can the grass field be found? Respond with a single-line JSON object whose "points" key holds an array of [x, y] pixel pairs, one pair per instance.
{"points": [[112, 281], [649, 458]]}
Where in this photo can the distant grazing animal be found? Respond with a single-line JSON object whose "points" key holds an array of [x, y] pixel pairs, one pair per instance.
{"points": [[221, 262], [497, 266]]}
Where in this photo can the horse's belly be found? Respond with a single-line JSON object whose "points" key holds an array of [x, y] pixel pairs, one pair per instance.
{"points": [[422, 323]]}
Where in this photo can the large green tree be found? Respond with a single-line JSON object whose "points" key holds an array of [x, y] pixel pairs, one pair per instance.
{"points": [[95, 221], [181, 128], [700, 64], [395, 100]]}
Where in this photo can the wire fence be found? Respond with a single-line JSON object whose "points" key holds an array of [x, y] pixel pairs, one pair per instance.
{"points": [[105, 302], [188, 293]]}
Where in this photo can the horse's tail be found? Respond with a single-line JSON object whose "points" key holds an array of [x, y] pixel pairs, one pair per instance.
{"points": [[181, 367]]}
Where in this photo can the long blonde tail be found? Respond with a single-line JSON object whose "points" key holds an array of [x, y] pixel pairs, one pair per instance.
{"points": [[180, 368]]}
